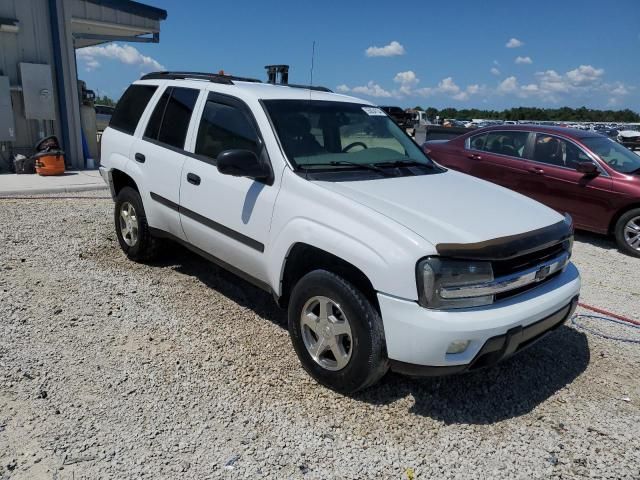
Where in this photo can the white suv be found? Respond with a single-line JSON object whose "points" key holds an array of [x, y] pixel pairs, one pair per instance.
{"points": [[383, 258]]}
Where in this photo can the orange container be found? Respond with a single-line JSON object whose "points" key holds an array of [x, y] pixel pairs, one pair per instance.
{"points": [[49, 163]]}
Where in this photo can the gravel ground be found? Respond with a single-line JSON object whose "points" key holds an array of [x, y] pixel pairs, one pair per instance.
{"points": [[110, 369]]}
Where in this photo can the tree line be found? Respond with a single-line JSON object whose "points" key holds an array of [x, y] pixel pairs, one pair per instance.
{"points": [[564, 114]]}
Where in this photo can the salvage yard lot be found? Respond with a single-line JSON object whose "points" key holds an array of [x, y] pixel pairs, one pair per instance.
{"points": [[110, 369]]}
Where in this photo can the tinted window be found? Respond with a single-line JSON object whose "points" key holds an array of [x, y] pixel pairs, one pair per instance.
{"points": [[503, 143], [177, 115], [556, 151], [617, 157], [224, 127], [153, 126], [131, 106]]}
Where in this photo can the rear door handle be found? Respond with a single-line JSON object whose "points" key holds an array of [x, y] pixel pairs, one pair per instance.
{"points": [[537, 170], [140, 158], [193, 179]]}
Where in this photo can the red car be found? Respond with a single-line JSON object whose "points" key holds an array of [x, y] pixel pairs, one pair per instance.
{"points": [[593, 178]]}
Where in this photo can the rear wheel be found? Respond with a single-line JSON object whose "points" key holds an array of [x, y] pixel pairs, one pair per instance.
{"points": [[132, 229], [336, 332], [627, 232]]}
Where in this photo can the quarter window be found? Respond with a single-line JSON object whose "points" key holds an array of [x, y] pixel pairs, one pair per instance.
{"points": [[508, 143], [556, 151], [131, 106], [224, 127]]}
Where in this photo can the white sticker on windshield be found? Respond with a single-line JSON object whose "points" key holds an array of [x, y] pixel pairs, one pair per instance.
{"points": [[374, 112]]}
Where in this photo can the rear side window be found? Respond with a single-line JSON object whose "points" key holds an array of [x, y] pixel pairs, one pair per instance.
{"points": [[510, 143], [131, 106], [169, 121], [224, 127]]}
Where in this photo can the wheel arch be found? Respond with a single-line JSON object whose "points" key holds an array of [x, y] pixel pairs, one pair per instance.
{"points": [[620, 213], [120, 180], [303, 258]]}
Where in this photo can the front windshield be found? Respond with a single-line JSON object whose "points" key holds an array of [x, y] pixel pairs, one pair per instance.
{"points": [[320, 134], [615, 155]]}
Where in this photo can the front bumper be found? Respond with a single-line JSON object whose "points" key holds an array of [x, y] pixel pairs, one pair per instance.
{"points": [[417, 338]]}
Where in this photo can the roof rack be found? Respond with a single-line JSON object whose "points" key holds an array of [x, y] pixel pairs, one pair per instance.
{"points": [[211, 77], [317, 88], [221, 78]]}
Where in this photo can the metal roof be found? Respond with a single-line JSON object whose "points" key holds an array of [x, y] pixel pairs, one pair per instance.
{"points": [[135, 8]]}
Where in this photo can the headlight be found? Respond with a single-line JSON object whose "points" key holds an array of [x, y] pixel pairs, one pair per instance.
{"points": [[435, 273]]}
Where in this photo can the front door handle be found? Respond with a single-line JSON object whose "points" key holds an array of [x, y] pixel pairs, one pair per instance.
{"points": [[537, 170], [193, 179], [140, 158], [474, 156]]}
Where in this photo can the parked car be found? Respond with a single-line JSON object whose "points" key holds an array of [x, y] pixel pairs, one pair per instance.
{"points": [[382, 258], [403, 119], [103, 116], [583, 173], [629, 136]]}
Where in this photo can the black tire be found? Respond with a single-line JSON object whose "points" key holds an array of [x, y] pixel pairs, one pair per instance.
{"points": [[619, 232], [145, 248], [368, 362]]}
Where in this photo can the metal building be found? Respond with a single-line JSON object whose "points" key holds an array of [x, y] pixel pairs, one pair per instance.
{"points": [[39, 92]]}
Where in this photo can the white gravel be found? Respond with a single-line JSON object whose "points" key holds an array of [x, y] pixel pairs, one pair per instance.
{"points": [[109, 369]]}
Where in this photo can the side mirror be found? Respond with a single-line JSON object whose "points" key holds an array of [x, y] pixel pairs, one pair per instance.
{"points": [[588, 168], [241, 163]]}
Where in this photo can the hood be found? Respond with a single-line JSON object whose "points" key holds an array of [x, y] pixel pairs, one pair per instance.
{"points": [[449, 207]]}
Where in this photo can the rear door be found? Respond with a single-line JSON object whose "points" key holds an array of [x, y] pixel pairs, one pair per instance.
{"points": [[497, 156], [159, 154], [554, 181]]}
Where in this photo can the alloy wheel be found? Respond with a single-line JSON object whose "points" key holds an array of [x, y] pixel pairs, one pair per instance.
{"points": [[128, 224], [326, 333]]}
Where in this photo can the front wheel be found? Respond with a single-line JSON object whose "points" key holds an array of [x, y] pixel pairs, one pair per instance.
{"points": [[627, 232], [336, 332]]}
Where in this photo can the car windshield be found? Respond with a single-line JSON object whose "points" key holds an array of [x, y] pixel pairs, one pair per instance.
{"points": [[322, 134], [615, 155]]}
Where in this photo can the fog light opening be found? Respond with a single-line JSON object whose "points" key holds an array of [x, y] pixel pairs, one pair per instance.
{"points": [[458, 346]]}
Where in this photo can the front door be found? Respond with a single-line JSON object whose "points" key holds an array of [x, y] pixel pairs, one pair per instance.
{"points": [[227, 217], [554, 181]]}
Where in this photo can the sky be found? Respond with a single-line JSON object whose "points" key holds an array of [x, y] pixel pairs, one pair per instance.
{"points": [[489, 54]]}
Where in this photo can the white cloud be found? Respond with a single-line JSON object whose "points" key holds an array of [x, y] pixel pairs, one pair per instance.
{"points": [[619, 89], [122, 53], [530, 88], [585, 74], [523, 60], [406, 78], [343, 88], [514, 43], [373, 90], [407, 81], [508, 85], [447, 85], [391, 50], [495, 71]]}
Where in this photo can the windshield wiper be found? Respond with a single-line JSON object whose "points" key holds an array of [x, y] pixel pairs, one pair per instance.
{"points": [[335, 163], [403, 163]]}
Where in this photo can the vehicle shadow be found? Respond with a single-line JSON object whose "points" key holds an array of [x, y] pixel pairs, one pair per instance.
{"points": [[510, 389], [182, 260], [597, 240]]}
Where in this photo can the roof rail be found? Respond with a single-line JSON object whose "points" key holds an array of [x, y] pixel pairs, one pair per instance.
{"points": [[317, 88], [211, 77]]}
